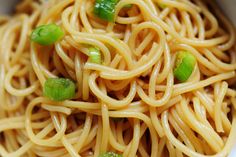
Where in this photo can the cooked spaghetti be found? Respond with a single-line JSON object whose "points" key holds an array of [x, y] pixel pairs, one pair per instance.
{"points": [[135, 78]]}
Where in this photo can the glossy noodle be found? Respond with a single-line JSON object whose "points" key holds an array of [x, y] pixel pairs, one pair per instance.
{"points": [[130, 104]]}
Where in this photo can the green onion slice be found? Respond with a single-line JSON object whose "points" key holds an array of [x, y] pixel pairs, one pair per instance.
{"points": [[184, 65], [105, 9], [59, 89], [47, 34], [95, 55], [110, 154]]}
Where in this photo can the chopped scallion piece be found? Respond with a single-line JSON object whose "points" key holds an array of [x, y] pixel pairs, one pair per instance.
{"points": [[184, 65], [95, 55], [47, 34], [110, 154], [59, 89], [105, 9]]}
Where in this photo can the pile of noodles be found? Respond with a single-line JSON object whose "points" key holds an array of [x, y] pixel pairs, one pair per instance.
{"points": [[131, 104]]}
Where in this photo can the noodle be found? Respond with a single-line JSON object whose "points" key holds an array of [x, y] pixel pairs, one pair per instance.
{"points": [[131, 104]]}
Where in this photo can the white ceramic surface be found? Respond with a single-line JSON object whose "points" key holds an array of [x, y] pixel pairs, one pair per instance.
{"points": [[6, 6], [229, 7]]}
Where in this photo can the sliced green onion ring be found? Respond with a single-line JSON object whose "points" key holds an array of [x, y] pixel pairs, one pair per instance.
{"points": [[110, 154], [95, 55], [59, 89], [47, 34], [184, 65], [105, 9]]}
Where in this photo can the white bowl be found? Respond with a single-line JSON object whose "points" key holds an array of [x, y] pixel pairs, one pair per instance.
{"points": [[229, 8], [6, 6]]}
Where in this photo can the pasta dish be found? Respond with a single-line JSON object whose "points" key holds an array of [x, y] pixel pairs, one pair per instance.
{"points": [[117, 78]]}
